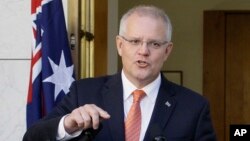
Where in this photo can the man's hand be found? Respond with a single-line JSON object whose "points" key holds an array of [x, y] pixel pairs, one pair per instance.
{"points": [[84, 117]]}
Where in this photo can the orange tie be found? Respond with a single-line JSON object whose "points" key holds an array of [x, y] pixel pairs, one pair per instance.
{"points": [[133, 121]]}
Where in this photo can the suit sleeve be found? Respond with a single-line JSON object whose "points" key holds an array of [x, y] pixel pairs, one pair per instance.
{"points": [[204, 130], [46, 129]]}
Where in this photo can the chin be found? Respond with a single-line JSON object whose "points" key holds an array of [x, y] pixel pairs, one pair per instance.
{"points": [[142, 76]]}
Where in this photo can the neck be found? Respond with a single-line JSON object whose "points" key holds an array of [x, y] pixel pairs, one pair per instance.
{"points": [[140, 83]]}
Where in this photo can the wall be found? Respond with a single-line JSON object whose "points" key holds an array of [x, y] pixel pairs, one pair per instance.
{"points": [[112, 32], [15, 46], [187, 20]]}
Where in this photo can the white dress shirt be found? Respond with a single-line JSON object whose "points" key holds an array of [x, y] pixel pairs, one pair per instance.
{"points": [[147, 105]]}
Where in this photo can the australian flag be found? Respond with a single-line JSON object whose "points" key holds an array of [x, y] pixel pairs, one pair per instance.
{"points": [[51, 71]]}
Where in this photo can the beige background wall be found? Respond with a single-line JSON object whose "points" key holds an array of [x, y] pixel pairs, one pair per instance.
{"points": [[187, 20]]}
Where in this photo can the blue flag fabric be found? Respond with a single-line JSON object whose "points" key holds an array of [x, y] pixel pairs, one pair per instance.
{"points": [[51, 72]]}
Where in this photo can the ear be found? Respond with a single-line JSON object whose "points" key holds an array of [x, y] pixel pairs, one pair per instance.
{"points": [[168, 50], [119, 45]]}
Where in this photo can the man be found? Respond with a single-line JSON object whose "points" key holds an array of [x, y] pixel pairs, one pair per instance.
{"points": [[102, 108]]}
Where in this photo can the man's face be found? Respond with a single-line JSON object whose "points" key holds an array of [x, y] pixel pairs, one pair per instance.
{"points": [[143, 62]]}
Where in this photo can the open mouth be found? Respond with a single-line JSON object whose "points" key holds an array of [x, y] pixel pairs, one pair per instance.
{"points": [[141, 63]]}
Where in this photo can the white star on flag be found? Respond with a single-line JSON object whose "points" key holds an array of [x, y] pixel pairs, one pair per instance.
{"points": [[62, 76]]}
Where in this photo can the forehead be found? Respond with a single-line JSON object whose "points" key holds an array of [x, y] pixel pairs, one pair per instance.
{"points": [[146, 26]]}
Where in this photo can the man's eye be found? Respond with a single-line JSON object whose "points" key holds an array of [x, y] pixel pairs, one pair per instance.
{"points": [[135, 42], [155, 44]]}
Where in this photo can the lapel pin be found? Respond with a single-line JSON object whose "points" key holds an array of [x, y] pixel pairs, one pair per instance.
{"points": [[168, 104]]}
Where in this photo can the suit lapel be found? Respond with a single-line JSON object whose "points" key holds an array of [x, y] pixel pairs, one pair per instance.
{"points": [[164, 106], [113, 103]]}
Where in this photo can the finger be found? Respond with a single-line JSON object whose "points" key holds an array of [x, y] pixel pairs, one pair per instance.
{"points": [[95, 119], [96, 114], [86, 119], [73, 121], [103, 114], [77, 116]]}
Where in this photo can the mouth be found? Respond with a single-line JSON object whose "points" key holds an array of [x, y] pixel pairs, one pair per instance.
{"points": [[142, 64]]}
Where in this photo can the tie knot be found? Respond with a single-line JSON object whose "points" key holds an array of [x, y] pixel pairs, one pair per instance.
{"points": [[138, 95]]}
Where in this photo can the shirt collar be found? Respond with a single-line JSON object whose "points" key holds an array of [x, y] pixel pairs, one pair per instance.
{"points": [[129, 87]]}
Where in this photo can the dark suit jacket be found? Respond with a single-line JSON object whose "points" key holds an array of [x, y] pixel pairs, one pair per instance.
{"points": [[179, 113]]}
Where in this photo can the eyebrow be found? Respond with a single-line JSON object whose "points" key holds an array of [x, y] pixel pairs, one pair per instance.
{"points": [[149, 40]]}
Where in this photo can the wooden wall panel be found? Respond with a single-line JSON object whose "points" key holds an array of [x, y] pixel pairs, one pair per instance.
{"points": [[213, 68]]}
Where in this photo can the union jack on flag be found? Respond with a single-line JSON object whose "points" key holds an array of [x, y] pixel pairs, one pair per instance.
{"points": [[51, 72]]}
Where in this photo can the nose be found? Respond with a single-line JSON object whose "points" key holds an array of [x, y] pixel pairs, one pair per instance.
{"points": [[143, 49]]}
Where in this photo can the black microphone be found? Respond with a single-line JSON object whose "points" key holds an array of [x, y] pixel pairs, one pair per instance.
{"points": [[90, 134], [87, 136]]}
